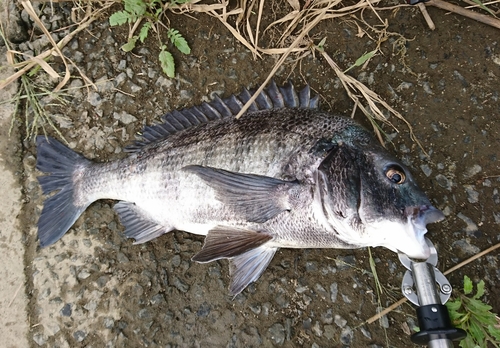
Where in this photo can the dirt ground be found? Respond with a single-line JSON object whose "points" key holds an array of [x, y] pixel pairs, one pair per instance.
{"points": [[94, 288]]}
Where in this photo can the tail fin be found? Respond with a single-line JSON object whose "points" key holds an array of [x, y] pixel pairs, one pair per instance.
{"points": [[60, 210]]}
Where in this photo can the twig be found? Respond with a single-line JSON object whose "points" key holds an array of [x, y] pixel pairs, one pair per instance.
{"points": [[15, 294], [454, 268], [494, 22], [427, 18], [280, 62]]}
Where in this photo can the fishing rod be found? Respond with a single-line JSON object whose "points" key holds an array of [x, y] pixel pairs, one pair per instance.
{"points": [[427, 288]]}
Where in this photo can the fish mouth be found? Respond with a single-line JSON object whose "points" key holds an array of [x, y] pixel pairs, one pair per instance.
{"points": [[424, 214], [418, 217]]}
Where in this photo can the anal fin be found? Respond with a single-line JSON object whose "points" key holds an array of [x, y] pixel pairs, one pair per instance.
{"points": [[247, 268], [136, 222]]}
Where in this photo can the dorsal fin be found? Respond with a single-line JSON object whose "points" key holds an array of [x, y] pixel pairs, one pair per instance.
{"points": [[273, 97]]}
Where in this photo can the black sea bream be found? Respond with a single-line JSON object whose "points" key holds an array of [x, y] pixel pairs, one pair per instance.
{"points": [[284, 175]]}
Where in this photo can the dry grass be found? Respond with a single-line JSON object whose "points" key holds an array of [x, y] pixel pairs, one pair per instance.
{"points": [[293, 30]]}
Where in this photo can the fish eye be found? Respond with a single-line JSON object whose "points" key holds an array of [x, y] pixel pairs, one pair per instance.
{"points": [[396, 175]]}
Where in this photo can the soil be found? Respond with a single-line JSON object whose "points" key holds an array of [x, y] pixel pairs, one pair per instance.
{"points": [[94, 288]]}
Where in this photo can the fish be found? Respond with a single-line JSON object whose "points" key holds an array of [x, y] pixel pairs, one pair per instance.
{"points": [[284, 175]]}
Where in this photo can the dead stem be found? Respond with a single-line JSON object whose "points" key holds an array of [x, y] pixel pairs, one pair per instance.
{"points": [[454, 268]]}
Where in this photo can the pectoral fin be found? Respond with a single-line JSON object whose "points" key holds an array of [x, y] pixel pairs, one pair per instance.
{"points": [[227, 242], [257, 198]]}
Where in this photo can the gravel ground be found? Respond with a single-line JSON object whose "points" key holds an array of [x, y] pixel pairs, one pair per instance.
{"points": [[94, 288]]}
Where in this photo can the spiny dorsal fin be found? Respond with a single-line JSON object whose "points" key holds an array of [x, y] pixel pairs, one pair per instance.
{"points": [[273, 97]]}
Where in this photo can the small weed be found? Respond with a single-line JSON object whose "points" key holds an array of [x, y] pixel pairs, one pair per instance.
{"points": [[150, 12], [474, 316]]}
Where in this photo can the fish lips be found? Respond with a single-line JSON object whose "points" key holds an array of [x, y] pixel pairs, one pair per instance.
{"points": [[418, 217], [424, 214]]}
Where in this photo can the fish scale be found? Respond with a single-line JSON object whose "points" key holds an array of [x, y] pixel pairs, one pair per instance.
{"points": [[283, 175]]}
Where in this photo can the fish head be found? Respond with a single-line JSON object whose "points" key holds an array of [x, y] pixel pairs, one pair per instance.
{"points": [[370, 198]]}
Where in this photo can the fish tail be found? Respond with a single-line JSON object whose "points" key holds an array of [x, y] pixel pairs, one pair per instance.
{"points": [[60, 210]]}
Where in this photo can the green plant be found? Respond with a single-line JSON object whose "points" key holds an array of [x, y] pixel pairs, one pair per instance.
{"points": [[469, 313], [151, 12]]}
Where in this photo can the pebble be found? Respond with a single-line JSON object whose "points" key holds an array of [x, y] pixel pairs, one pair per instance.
{"points": [[427, 88], [346, 335], [345, 262], [109, 322], [124, 117], [339, 321], [327, 317], [91, 306], [462, 79], [94, 98], [329, 331], [300, 289], [334, 290], [122, 258], [404, 85], [346, 299], [366, 333], [102, 280], [144, 313], [162, 81], [66, 310], [79, 335], [426, 169], [316, 329], [311, 266], [470, 172], [157, 299], [321, 291], [184, 94], [472, 195], [134, 88], [277, 333], [384, 321], [180, 285], [83, 274], [470, 225], [203, 310], [465, 247], [39, 339], [444, 182]]}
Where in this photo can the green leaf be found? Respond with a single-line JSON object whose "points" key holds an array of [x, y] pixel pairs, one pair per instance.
{"points": [[130, 45], [321, 45], [467, 285], [453, 306], [361, 60], [477, 332], [143, 33], [167, 62], [495, 332], [479, 306], [178, 41], [119, 18], [480, 290], [135, 7]]}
